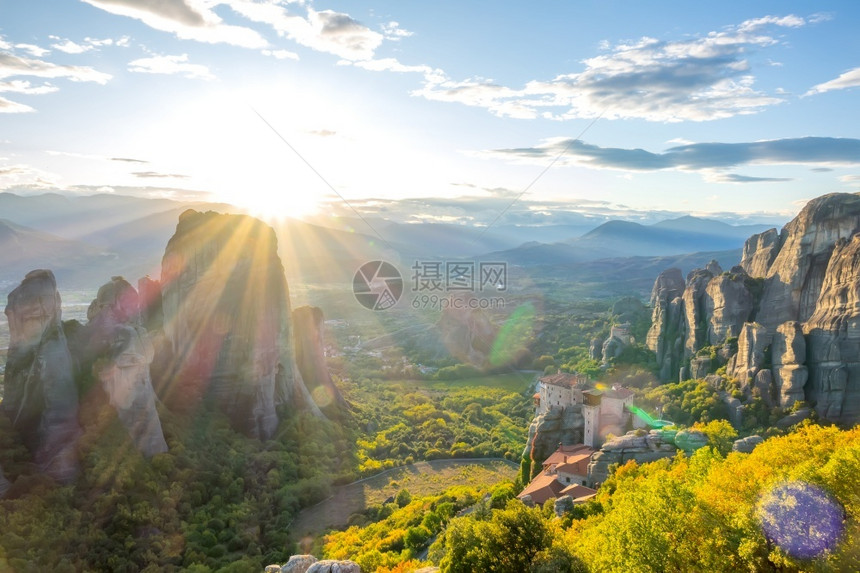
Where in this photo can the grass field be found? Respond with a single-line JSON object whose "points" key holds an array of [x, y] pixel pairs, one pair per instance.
{"points": [[422, 478]]}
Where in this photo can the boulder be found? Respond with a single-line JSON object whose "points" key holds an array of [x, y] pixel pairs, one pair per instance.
{"points": [[690, 440], [332, 566], [298, 564], [746, 445], [759, 252], [227, 320], [562, 505], [39, 394]]}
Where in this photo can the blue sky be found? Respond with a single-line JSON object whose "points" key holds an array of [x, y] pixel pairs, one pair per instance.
{"points": [[443, 111]]}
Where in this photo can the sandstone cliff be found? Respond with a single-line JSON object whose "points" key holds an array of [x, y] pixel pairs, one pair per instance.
{"points": [[787, 314], [39, 389], [557, 426], [227, 320]]}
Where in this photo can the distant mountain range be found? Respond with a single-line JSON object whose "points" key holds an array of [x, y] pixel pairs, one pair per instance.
{"points": [[615, 239], [88, 239]]}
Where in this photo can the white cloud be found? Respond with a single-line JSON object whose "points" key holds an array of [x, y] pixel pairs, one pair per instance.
{"points": [[281, 54], [393, 31], [324, 31], [188, 19], [12, 65], [697, 79], [70, 47], [849, 79], [25, 87], [9, 106], [171, 65], [33, 50]]}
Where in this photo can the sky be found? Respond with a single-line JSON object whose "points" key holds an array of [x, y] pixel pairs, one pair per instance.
{"points": [[467, 112]]}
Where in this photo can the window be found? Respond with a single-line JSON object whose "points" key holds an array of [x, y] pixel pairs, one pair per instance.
{"points": [[566, 480]]}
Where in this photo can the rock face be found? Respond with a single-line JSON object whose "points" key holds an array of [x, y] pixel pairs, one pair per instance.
{"points": [[759, 252], [792, 304], [728, 305], [121, 351], [668, 327], [797, 273], [746, 445], [833, 337], [557, 426], [226, 317], [789, 355], [40, 396], [310, 356]]}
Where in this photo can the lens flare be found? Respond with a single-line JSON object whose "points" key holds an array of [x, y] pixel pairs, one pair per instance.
{"points": [[801, 519]]}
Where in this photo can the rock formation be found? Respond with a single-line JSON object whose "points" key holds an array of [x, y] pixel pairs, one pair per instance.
{"points": [[39, 390], [833, 337], [668, 327], [636, 445], [797, 273], [227, 319], [792, 304], [557, 426], [121, 353], [310, 356], [759, 252], [747, 445]]}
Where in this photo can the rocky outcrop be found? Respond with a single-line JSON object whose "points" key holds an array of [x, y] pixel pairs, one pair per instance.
{"points": [[833, 337], [226, 317], [595, 349], [696, 308], [39, 395], [747, 445], [753, 346], [151, 314], [556, 426], [298, 564], [331, 566], [121, 354], [759, 252], [792, 303], [797, 274], [667, 333], [611, 349], [789, 357], [728, 305], [308, 324], [635, 445]]}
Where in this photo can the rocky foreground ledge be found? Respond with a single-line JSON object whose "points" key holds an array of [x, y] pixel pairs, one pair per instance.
{"points": [[310, 564]]}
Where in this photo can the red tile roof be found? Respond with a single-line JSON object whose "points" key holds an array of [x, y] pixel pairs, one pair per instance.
{"points": [[564, 454], [543, 487], [579, 493], [566, 379]]}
